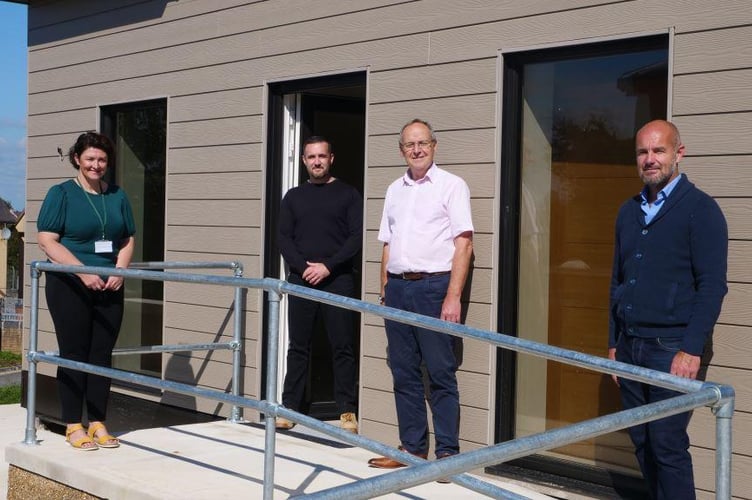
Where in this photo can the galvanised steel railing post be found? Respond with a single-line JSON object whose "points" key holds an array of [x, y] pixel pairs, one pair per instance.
{"points": [[723, 448], [272, 353], [239, 307], [31, 381]]}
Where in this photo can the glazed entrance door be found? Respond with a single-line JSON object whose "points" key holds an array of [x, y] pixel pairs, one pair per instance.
{"points": [[334, 108], [577, 116]]}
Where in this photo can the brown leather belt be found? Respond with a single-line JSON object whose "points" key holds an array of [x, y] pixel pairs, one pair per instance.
{"points": [[415, 276]]}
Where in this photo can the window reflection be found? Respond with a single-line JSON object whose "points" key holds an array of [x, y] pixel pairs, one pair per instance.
{"points": [[578, 120]]}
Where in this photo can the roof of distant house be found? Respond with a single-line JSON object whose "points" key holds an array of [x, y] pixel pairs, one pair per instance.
{"points": [[7, 214]]}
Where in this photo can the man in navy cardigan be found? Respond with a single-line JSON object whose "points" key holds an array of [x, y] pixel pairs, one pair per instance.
{"points": [[667, 287]]}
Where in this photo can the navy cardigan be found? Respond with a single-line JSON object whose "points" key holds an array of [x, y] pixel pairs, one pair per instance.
{"points": [[669, 276]]}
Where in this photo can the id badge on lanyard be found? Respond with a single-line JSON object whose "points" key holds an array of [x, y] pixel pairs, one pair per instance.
{"points": [[103, 246]]}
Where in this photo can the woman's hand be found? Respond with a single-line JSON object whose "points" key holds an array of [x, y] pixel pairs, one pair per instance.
{"points": [[114, 283], [92, 282]]}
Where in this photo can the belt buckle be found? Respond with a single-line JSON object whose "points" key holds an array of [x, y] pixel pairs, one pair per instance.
{"points": [[412, 276]]}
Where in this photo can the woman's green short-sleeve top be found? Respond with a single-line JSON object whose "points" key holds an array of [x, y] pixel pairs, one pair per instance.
{"points": [[67, 212]]}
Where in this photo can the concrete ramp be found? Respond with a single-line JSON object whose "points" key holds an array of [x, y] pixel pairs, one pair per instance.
{"points": [[206, 461]]}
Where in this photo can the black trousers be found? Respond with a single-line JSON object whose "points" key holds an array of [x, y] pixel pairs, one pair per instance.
{"points": [[340, 328], [87, 324]]}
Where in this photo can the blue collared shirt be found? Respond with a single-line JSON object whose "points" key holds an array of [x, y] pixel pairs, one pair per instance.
{"points": [[651, 210]]}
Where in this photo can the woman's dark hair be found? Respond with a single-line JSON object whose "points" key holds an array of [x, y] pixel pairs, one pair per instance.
{"points": [[91, 140]]}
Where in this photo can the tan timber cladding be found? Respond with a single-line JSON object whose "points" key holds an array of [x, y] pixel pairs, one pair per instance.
{"points": [[439, 60]]}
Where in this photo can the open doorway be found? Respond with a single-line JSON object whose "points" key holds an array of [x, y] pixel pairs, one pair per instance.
{"points": [[333, 107]]}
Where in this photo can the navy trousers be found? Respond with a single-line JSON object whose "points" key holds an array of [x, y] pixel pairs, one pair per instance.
{"points": [[408, 348], [661, 446], [340, 329]]}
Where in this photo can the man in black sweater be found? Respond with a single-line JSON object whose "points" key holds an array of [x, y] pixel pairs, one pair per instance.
{"points": [[667, 287], [320, 234]]}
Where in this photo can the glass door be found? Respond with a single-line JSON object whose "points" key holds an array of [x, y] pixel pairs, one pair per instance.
{"points": [[576, 112], [139, 131]]}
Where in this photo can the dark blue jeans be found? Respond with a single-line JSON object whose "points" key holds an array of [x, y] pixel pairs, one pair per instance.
{"points": [[661, 446], [408, 348]]}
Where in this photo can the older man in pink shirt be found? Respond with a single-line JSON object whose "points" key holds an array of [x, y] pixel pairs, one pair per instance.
{"points": [[427, 231]]}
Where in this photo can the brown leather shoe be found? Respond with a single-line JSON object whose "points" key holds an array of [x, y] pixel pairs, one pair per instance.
{"points": [[282, 424], [390, 463]]}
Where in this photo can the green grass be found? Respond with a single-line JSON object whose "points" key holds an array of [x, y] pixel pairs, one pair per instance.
{"points": [[10, 395], [9, 359]]}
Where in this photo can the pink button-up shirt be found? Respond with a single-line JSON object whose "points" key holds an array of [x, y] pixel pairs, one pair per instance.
{"points": [[422, 218]]}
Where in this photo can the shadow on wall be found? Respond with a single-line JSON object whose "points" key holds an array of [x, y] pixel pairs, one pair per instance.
{"points": [[52, 23]]}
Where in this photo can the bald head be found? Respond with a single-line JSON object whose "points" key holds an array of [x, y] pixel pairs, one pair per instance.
{"points": [[658, 148], [664, 127]]}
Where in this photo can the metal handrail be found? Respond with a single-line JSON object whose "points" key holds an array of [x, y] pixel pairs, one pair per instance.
{"points": [[718, 396]]}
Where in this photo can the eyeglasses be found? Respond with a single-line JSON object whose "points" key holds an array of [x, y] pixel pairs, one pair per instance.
{"points": [[424, 145]]}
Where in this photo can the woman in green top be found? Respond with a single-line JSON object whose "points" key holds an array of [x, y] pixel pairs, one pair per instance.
{"points": [[85, 221]]}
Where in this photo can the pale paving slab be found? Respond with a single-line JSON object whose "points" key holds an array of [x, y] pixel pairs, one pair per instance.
{"points": [[200, 461]]}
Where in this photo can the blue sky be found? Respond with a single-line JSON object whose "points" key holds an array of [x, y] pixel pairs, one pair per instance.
{"points": [[13, 103]]}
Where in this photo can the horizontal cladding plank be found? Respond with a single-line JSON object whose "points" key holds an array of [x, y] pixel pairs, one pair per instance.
{"points": [[237, 102], [142, 29], [736, 310], [251, 263], [702, 430], [600, 19], [719, 175], [740, 261], [454, 146], [717, 134], [260, 49], [201, 318], [739, 380], [378, 54], [738, 213], [49, 145], [263, 30], [704, 469], [460, 112], [715, 50], [214, 212], [200, 371], [215, 240], [36, 189], [430, 82], [217, 186], [49, 167], [716, 92], [235, 130], [218, 296], [57, 123], [216, 157], [177, 337]]}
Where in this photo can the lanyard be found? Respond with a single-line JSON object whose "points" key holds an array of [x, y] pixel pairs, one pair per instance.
{"points": [[102, 222]]}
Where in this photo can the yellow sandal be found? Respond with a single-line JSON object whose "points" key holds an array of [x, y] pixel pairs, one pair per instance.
{"points": [[79, 443], [105, 440]]}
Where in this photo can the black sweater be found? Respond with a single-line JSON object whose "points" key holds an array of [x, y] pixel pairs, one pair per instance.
{"points": [[321, 223]]}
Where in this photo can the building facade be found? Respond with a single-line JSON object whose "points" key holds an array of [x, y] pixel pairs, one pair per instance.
{"points": [[535, 105]]}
